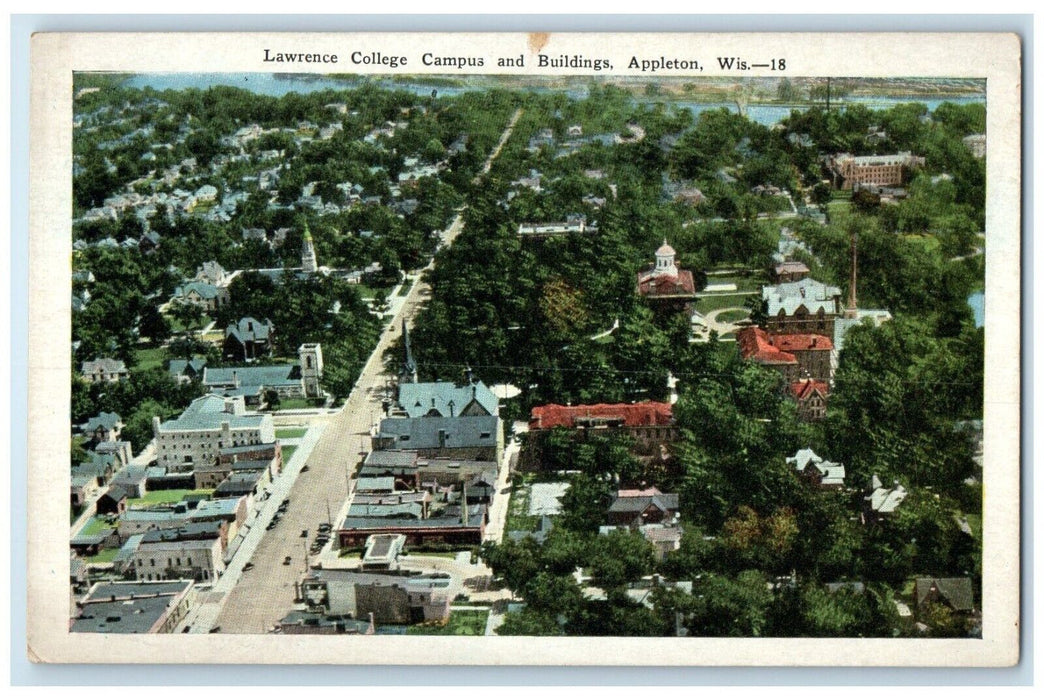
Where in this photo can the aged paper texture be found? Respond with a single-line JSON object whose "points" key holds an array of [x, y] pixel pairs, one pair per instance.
{"points": [[256, 203]]}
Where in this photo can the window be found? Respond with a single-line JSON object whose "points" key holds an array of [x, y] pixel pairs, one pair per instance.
{"points": [[152, 562]]}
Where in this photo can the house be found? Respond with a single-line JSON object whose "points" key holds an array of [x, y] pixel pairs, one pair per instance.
{"points": [[202, 294], [248, 339], [133, 480], [804, 306], [104, 427], [212, 273], [635, 507], [210, 424], [818, 471], [187, 371], [790, 271], [98, 465], [245, 484], [881, 502], [811, 397], [954, 593], [104, 369], [231, 511], [113, 501], [389, 597], [84, 488], [122, 607], [665, 284], [266, 458]]}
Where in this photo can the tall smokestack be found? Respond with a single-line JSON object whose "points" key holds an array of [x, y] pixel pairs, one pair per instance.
{"points": [[852, 310]]}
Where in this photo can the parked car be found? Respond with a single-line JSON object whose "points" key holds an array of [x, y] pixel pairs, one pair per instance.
{"points": [[304, 533], [286, 562], [248, 566]]}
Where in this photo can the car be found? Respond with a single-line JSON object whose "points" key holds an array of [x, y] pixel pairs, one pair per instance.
{"points": [[286, 502], [271, 525], [287, 560], [324, 527], [248, 566], [304, 533], [213, 630], [304, 468]]}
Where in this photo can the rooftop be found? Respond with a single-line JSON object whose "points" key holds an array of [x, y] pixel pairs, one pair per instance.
{"points": [[645, 413]]}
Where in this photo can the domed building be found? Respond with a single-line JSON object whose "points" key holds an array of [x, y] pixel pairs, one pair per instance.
{"points": [[665, 284]]}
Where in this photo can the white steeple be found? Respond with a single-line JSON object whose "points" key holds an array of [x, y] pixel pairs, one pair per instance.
{"points": [[308, 261]]}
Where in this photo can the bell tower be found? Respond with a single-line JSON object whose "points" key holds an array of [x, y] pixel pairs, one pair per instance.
{"points": [[311, 356]]}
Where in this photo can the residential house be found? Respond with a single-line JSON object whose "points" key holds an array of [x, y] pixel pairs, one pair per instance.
{"points": [[956, 594], [202, 294], [881, 502], [818, 471], [811, 397], [248, 339], [790, 271], [187, 371], [635, 507], [104, 369], [113, 501], [104, 427], [133, 480]]}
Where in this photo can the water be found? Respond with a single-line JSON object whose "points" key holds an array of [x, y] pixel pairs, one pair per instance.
{"points": [[977, 302], [277, 85]]}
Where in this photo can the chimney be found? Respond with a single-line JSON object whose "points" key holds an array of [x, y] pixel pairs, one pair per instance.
{"points": [[852, 310]]}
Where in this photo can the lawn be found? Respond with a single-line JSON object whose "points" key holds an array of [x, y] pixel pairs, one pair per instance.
{"points": [[104, 556], [723, 301], [287, 433], [94, 526], [149, 358], [168, 496], [836, 207], [419, 552], [461, 622], [288, 452], [733, 316]]}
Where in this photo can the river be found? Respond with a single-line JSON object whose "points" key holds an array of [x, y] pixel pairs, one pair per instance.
{"points": [[277, 85]]}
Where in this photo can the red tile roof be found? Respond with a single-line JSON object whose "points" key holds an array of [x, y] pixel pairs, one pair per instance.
{"points": [[666, 285], [755, 344], [805, 388], [631, 414], [791, 342]]}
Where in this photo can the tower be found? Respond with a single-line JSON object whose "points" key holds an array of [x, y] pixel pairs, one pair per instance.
{"points": [[408, 375], [308, 261], [311, 355], [665, 260], [852, 310]]}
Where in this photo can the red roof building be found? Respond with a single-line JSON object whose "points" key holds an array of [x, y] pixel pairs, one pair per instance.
{"points": [[645, 414], [811, 397], [795, 355], [665, 281]]}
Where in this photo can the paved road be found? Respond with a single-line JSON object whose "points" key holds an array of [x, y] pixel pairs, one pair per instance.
{"points": [[265, 594]]}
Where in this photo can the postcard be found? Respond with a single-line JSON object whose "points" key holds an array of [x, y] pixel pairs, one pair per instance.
{"points": [[542, 349]]}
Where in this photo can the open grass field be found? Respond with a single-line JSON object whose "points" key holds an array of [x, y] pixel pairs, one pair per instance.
{"points": [[289, 433]]}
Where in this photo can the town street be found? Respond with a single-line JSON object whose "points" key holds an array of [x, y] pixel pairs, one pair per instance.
{"points": [[265, 594]]}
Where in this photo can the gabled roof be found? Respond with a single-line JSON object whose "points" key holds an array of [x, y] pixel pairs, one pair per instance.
{"points": [[795, 342], [639, 504], [187, 368], [807, 388], [788, 297], [253, 376], [104, 420], [756, 345], [955, 592], [446, 398], [249, 329], [104, 364], [884, 500], [202, 289]]}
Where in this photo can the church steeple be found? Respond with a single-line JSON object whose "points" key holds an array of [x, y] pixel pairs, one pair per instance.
{"points": [[309, 265], [408, 375]]}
